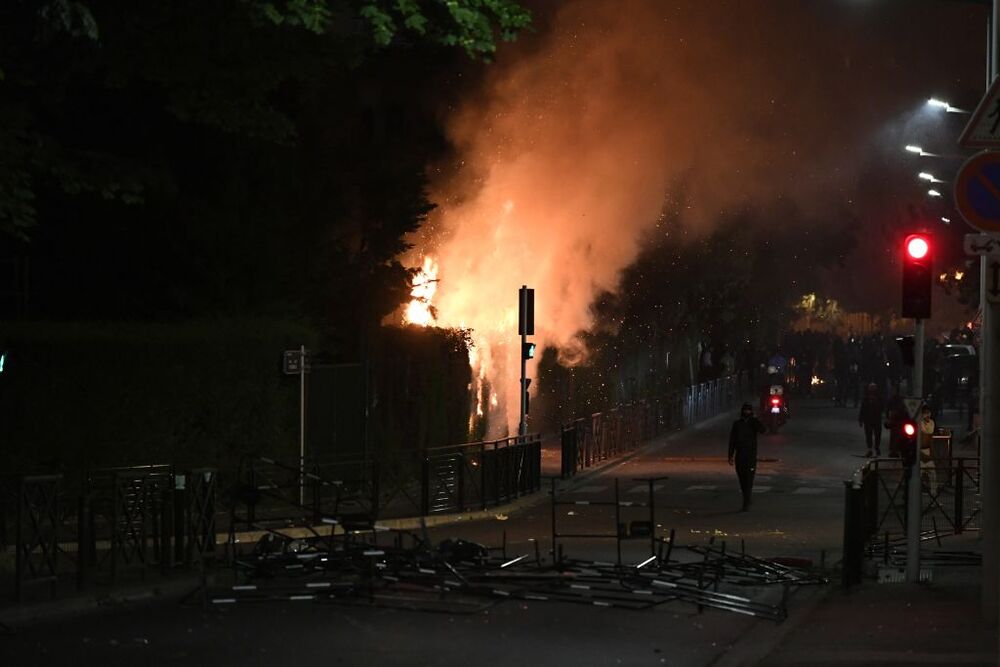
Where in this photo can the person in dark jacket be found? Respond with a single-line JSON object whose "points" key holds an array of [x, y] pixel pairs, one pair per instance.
{"points": [[870, 418], [743, 450]]}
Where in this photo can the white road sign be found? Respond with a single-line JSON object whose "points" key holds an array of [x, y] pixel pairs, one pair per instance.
{"points": [[983, 130], [982, 244]]}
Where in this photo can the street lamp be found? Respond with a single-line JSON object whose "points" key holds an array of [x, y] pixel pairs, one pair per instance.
{"points": [[933, 193], [915, 149], [929, 177], [941, 104], [945, 220]]}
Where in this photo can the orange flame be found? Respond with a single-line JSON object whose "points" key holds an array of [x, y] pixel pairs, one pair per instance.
{"points": [[420, 310]]}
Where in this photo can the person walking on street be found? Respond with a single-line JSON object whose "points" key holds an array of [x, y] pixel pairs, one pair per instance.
{"points": [[870, 418], [743, 450]]}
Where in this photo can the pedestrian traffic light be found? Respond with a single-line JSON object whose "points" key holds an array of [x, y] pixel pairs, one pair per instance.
{"points": [[908, 442], [527, 350], [917, 279]]}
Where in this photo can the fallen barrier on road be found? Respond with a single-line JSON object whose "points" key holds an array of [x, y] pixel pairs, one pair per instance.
{"points": [[365, 564]]}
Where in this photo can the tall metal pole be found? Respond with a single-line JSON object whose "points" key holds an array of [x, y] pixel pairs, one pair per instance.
{"points": [[913, 506], [302, 425], [522, 428], [989, 407]]}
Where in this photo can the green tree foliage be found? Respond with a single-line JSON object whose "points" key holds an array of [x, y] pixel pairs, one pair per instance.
{"points": [[239, 157]]}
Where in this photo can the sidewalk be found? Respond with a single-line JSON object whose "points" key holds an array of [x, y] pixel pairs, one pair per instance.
{"points": [[933, 623], [937, 623]]}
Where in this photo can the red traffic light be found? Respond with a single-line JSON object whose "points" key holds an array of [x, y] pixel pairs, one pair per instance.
{"points": [[775, 401], [917, 246], [910, 429]]}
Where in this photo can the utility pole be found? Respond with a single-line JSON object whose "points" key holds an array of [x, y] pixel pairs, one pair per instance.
{"points": [[914, 508], [302, 425], [989, 407], [525, 328]]}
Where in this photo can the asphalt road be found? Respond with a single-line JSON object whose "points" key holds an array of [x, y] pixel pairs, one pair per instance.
{"points": [[797, 512]]}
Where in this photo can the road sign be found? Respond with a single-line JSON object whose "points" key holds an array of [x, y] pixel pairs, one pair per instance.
{"points": [[993, 281], [982, 244], [983, 129], [977, 191], [912, 405], [292, 362]]}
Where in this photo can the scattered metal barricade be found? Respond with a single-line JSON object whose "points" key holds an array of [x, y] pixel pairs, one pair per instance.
{"points": [[365, 564]]}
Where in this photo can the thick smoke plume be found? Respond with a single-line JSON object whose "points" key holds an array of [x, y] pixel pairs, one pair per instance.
{"points": [[565, 157]]}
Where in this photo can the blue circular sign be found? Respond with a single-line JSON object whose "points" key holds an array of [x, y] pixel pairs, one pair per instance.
{"points": [[977, 191]]}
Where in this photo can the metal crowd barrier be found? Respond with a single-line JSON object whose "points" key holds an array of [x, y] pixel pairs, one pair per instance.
{"points": [[452, 478], [588, 441], [109, 522], [876, 500]]}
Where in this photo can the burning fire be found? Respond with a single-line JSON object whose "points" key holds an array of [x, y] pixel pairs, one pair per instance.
{"points": [[420, 311]]}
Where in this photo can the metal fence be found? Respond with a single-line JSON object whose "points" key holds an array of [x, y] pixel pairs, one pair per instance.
{"points": [[706, 400], [107, 523], [604, 435], [437, 480], [104, 523], [876, 501]]}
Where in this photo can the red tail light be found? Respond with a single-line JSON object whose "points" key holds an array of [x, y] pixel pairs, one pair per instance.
{"points": [[775, 400]]}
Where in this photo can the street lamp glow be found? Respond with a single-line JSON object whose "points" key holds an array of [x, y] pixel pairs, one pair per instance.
{"points": [[927, 177], [933, 193], [915, 149], [945, 220], [941, 104]]}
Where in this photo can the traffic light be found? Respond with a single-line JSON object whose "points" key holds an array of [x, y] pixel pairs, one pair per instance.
{"points": [[917, 279], [527, 350], [906, 344], [908, 442]]}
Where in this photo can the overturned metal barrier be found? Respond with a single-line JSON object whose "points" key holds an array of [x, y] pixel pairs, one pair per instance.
{"points": [[357, 561]]}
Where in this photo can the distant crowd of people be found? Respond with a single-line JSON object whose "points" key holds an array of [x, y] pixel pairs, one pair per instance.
{"points": [[845, 368]]}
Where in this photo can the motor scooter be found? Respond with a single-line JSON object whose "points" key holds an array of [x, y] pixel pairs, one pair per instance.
{"points": [[775, 408]]}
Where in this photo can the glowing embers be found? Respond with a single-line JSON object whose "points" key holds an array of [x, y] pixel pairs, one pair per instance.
{"points": [[420, 310]]}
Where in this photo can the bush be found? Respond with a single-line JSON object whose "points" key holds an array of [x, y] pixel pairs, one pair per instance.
{"points": [[95, 394]]}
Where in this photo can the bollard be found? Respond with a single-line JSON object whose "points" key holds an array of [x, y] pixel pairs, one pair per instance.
{"points": [[166, 530], [179, 522], [853, 545], [460, 484], [425, 482], [82, 541], [959, 501], [482, 474]]}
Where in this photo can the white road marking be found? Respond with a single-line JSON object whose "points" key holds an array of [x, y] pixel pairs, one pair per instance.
{"points": [[644, 488], [702, 487], [762, 489], [588, 489], [808, 491]]}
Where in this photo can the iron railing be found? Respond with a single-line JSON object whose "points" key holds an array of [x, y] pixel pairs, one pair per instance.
{"points": [[875, 508], [604, 435]]}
